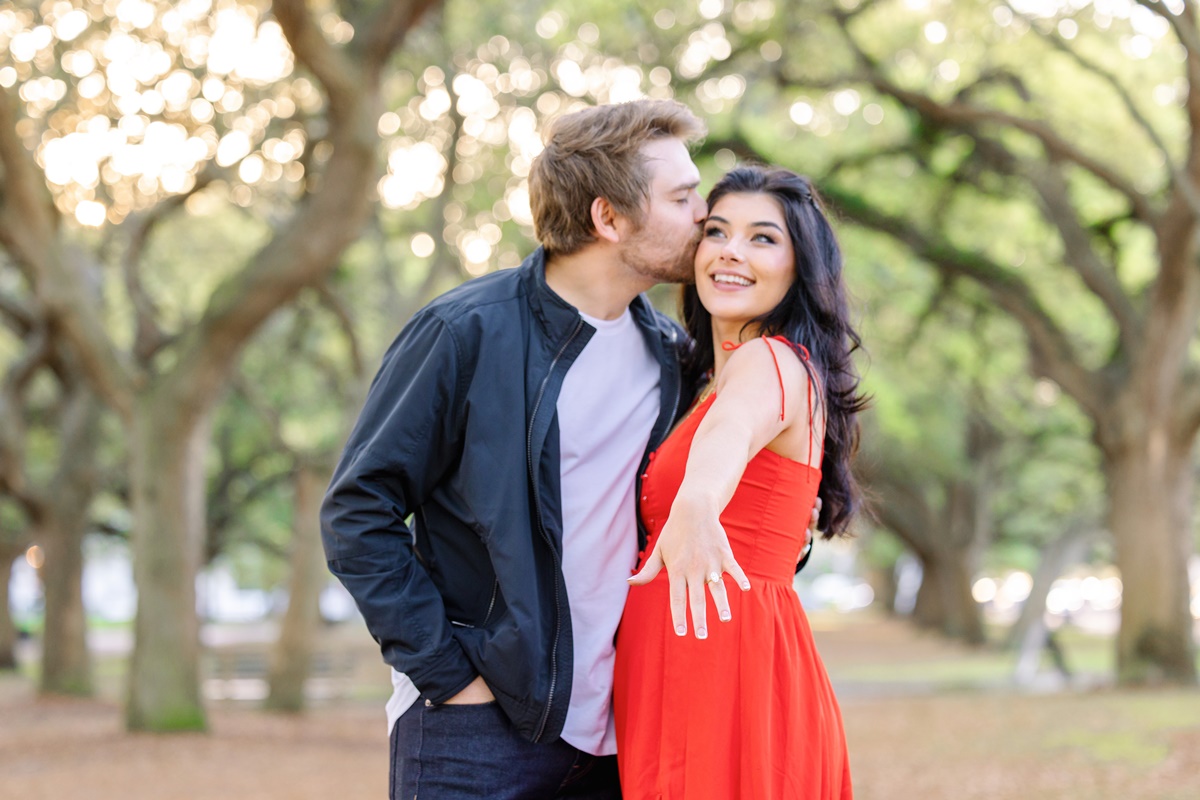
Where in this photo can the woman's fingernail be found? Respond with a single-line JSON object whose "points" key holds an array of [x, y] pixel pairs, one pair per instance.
{"points": [[725, 618], [701, 633], [681, 630], [746, 586]]}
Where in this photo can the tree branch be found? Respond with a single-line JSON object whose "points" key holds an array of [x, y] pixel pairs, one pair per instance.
{"points": [[265, 410], [73, 311], [1183, 181], [307, 247], [27, 214], [18, 315], [327, 63], [148, 335], [13, 479], [341, 313], [1184, 25], [1177, 232], [1053, 353], [967, 117], [384, 29], [1079, 253], [902, 509], [38, 353], [29, 230], [1190, 411]]}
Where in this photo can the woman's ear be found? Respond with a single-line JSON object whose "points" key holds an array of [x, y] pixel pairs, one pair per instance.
{"points": [[605, 221]]}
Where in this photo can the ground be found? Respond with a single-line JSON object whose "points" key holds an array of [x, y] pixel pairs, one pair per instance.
{"points": [[928, 733]]}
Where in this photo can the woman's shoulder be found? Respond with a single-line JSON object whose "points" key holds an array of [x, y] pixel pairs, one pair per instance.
{"points": [[773, 353], [770, 365]]}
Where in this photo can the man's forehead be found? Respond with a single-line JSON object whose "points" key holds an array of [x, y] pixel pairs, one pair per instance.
{"points": [[670, 164]]}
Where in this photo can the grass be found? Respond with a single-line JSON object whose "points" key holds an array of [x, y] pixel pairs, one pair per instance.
{"points": [[928, 661]]}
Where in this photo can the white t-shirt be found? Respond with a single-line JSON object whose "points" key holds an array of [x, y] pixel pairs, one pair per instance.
{"points": [[606, 410]]}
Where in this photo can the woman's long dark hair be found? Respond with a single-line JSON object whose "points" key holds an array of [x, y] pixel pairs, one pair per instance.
{"points": [[813, 313]]}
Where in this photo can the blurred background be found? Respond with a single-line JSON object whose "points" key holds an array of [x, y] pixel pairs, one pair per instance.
{"points": [[216, 214]]}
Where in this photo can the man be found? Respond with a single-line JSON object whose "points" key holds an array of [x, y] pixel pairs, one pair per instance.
{"points": [[511, 419]]}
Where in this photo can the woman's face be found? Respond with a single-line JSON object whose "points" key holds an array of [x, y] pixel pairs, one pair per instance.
{"points": [[745, 263]]}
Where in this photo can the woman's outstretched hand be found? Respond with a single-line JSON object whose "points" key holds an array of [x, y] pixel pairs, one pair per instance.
{"points": [[694, 549]]}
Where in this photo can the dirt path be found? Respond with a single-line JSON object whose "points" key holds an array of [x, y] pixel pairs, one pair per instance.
{"points": [[966, 746]]}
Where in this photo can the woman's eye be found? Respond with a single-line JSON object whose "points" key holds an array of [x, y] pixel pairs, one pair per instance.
{"points": [[713, 232], [762, 237]]}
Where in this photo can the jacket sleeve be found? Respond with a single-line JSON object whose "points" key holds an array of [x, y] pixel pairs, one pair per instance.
{"points": [[406, 440]]}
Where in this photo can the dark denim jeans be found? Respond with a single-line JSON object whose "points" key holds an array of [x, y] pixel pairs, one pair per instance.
{"points": [[453, 752]]}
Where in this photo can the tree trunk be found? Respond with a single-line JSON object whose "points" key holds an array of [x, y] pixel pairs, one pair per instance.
{"points": [[1150, 515], [167, 481], [944, 600], [928, 610], [66, 664], [964, 619], [8, 630], [291, 659], [883, 582]]}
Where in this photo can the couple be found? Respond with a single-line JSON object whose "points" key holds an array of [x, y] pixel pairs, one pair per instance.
{"points": [[536, 435]]}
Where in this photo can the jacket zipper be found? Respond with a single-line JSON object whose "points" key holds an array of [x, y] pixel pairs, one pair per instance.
{"points": [[678, 392], [537, 505], [492, 602]]}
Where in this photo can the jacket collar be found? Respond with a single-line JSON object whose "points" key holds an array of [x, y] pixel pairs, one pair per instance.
{"points": [[558, 317]]}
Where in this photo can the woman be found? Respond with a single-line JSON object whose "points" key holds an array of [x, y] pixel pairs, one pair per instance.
{"points": [[744, 708]]}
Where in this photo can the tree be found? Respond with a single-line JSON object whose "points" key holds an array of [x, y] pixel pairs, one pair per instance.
{"points": [[12, 546], [165, 384], [54, 489], [945, 520], [305, 413]]}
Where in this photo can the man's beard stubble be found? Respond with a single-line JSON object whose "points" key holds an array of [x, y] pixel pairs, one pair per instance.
{"points": [[678, 268]]}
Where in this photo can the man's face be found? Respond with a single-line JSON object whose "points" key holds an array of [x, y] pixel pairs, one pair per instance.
{"points": [[664, 247]]}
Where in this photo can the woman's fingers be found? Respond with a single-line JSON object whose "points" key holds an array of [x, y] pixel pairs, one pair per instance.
{"points": [[720, 599], [689, 586], [699, 603], [653, 565], [735, 571], [679, 594]]}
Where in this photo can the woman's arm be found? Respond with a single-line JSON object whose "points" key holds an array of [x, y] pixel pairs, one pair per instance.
{"points": [[747, 415]]}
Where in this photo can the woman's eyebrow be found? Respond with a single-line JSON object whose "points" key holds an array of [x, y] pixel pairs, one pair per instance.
{"points": [[763, 224]]}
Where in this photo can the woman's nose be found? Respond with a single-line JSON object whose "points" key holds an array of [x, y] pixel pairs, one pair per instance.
{"points": [[731, 251]]}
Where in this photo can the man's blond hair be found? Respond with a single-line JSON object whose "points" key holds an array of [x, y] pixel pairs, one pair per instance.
{"points": [[594, 153]]}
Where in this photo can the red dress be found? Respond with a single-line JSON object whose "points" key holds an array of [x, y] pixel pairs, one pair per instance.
{"points": [[748, 712]]}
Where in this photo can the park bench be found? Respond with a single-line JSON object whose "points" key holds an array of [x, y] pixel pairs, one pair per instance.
{"points": [[238, 672]]}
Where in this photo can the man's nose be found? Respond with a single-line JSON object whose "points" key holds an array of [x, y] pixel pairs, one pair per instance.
{"points": [[699, 208]]}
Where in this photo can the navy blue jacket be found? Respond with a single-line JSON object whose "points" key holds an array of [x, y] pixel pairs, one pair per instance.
{"points": [[443, 519]]}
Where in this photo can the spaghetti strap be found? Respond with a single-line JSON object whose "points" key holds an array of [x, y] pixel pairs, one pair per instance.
{"points": [[804, 356]]}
